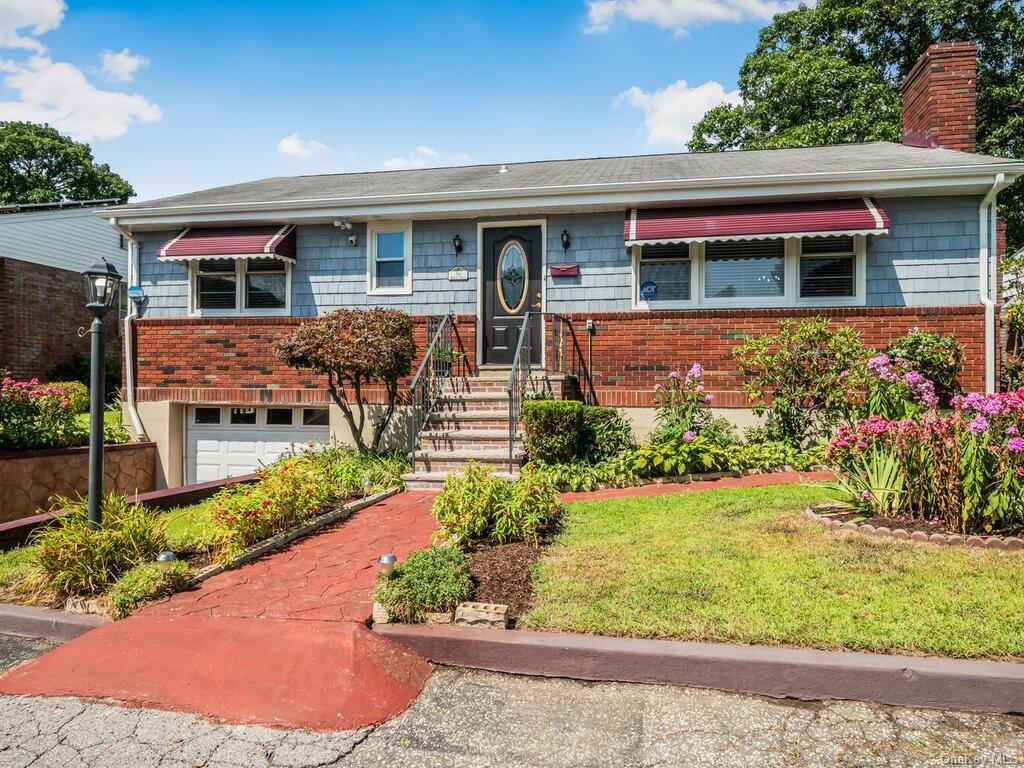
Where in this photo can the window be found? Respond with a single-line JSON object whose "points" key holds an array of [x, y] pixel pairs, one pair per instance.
{"points": [[241, 286], [279, 417], [389, 253], [207, 416], [665, 274], [315, 417], [243, 415], [745, 269], [828, 267]]}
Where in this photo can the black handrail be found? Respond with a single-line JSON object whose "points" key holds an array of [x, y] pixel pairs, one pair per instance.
{"points": [[428, 383], [518, 378]]}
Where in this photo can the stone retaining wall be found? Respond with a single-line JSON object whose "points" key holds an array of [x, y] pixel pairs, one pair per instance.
{"points": [[29, 479]]}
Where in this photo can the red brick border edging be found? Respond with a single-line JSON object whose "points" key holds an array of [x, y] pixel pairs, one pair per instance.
{"points": [[1008, 543]]}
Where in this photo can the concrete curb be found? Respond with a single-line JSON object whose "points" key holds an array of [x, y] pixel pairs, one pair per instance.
{"points": [[908, 681], [1007, 544], [47, 623], [283, 539]]}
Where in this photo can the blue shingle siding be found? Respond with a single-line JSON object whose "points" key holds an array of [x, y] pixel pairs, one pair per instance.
{"points": [[929, 258], [606, 272]]}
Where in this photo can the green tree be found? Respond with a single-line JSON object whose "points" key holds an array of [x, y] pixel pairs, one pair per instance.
{"points": [[830, 74], [39, 165]]}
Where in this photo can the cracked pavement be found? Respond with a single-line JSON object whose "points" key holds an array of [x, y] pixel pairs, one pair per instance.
{"points": [[468, 718]]}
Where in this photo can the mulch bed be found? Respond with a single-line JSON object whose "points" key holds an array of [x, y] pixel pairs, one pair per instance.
{"points": [[501, 573]]}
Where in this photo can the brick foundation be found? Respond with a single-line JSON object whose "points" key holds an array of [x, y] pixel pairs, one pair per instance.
{"points": [[41, 310], [227, 360]]}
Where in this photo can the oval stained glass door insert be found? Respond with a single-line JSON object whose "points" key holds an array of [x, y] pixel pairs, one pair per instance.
{"points": [[513, 276]]}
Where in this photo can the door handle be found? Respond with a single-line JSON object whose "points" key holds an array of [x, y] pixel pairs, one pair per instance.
{"points": [[539, 304]]}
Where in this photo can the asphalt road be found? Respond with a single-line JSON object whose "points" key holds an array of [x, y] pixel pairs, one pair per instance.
{"points": [[470, 718]]}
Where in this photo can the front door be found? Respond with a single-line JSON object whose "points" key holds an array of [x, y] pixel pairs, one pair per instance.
{"points": [[512, 286]]}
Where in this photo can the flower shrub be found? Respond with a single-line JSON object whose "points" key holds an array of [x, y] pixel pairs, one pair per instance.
{"points": [[34, 415], [681, 405], [477, 504], [430, 580], [811, 373], [895, 389], [75, 392], [937, 357], [965, 468]]}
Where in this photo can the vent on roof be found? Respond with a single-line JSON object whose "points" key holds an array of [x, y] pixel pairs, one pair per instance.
{"points": [[503, 169]]}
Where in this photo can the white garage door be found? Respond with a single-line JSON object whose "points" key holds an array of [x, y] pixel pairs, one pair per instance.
{"points": [[227, 441]]}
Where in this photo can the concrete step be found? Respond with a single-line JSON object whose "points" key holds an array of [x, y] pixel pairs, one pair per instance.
{"points": [[429, 460], [432, 481], [471, 401], [453, 421], [458, 439]]}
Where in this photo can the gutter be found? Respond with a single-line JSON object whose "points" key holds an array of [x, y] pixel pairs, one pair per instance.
{"points": [[129, 341], [986, 276]]}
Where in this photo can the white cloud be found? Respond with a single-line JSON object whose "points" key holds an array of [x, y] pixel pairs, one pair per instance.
{"points": [[679, 15], [36, 16], [294, 146], [671, 113], [424, 157], [57, 93], [121, 67]]}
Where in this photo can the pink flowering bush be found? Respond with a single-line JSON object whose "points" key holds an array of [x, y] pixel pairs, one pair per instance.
{"points": [[35, 415], [965, 468], [681, 406], [895, 389]]}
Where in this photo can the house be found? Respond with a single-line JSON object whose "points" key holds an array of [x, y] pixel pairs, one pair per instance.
{"points": [[43, 250], [638, 264]]}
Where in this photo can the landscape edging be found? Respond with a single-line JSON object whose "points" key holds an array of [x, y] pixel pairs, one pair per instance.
{"points": [[805, 674], [46, 623], [1007, 543]]}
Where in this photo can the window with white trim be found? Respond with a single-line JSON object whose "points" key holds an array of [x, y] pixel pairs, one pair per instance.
{"points": [[745, 269], [389, 258], [668, 268], [258, 286], [828, 267]]}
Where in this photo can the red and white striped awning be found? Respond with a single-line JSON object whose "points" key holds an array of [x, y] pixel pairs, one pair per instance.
{"points": [[755, 221], [259, 242]]}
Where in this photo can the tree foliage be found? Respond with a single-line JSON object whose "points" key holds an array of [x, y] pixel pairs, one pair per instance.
{"points": [[39, 165], [354, 348], [830, 74]]}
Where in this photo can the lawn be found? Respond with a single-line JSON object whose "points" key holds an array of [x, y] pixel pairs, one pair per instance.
{"points": [[743, 566]]}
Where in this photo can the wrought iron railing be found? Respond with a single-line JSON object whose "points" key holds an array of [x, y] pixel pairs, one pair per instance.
{"points": [[435, 369], [518, 380]]}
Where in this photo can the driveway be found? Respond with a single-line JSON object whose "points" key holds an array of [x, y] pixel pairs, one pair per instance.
{"points": [[468, 718]]}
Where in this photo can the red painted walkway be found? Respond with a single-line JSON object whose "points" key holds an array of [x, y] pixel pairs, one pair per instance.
{"points": [[282, 641]]}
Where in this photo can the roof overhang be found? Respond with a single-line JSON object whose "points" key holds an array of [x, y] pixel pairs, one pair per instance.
{"points": [[973, 179]]}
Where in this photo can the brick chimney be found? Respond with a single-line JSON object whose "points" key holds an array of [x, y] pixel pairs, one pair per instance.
{"points": [[939, 94]]}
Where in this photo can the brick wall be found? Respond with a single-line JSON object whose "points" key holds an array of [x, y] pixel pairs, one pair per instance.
{"points": [[41, 309], [227, 360], [634, 350], [939, 98]]}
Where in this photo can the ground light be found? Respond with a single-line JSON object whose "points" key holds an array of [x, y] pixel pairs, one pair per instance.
{"points": [[165, 559], [387, 564], [101, 286]]}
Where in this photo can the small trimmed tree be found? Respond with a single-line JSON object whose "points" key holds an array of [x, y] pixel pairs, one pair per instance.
{"points": [[354, 348]]}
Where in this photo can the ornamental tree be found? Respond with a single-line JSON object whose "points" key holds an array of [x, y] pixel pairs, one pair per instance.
{"points": [[354, 348]]}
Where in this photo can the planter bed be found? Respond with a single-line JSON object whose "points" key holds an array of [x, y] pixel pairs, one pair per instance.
{"points": [[501, 574], [910, 529]]}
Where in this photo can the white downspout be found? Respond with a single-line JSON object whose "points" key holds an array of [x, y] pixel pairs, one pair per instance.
{"points": [[986, 231], [129, 351]]}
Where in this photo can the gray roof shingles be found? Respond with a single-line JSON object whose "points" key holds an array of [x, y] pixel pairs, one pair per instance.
{"points": [[558, 173]]}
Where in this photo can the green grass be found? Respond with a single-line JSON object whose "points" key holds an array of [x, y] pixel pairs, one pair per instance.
{"points": [[111, 418], [743, 566], [190, 527], [15, 565]]}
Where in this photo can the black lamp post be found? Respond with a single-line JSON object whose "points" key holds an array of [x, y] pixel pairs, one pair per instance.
{"points": [[101, 282]]}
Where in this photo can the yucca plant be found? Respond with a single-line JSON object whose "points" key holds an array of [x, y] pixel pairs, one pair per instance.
{"points": [[874, 482]]}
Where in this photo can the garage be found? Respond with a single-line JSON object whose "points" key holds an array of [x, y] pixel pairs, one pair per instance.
{"points": [[230, 440]]}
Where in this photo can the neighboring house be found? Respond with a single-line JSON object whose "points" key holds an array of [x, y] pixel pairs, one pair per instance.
{"points": [[43, 250], [651, 262]]}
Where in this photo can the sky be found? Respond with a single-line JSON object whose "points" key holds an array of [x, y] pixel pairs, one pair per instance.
{"points": [[181, 95]]}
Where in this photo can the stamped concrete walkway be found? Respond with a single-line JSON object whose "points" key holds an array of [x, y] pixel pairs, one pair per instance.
{"points": [[282, 641]]}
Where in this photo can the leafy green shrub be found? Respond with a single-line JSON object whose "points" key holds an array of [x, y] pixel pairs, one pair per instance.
{"points": [[475, 504], [34, 415], [681, 457], [553, 429], [811, 373], [606, 434], [1013, 370], [581, 475], [353, 348], [429, 581], [75, 392], [75, 560], [937, 357], [145, 583], [77, 368], [15, 565]]}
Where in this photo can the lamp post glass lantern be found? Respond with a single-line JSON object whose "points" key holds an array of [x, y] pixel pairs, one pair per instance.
{"points": [[101, 287]]}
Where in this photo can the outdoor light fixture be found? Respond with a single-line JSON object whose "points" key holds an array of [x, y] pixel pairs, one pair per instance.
{"points": [[367, 486], [457, 242], [101, 287], [387, 564], [164, 560], [566, 240]]}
